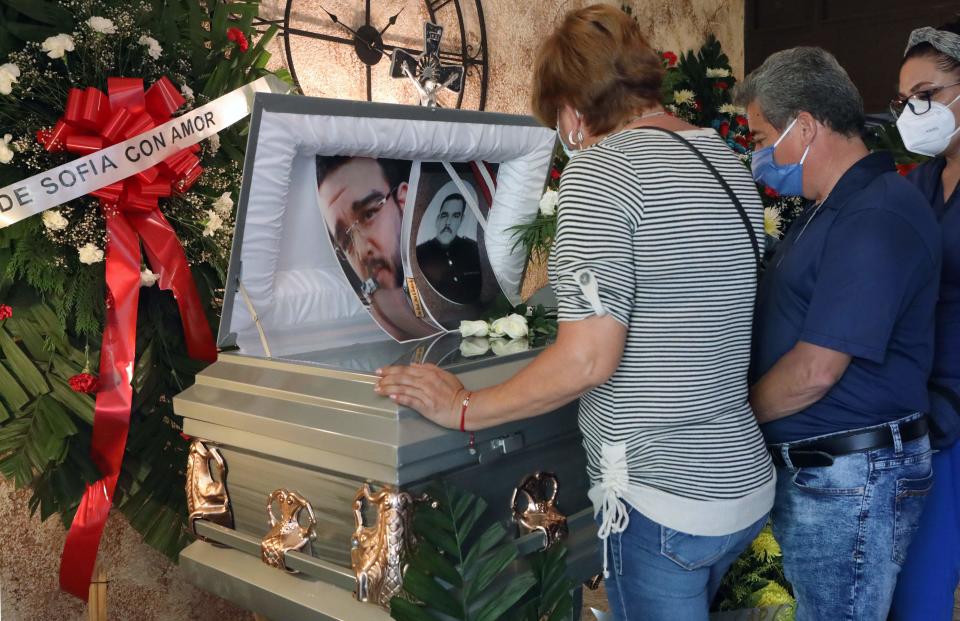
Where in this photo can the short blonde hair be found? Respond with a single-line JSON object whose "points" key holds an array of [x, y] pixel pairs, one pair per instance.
{"points": [[600, 63]]}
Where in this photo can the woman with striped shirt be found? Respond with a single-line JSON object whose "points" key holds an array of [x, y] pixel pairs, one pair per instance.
{"points": [[654, 267]]}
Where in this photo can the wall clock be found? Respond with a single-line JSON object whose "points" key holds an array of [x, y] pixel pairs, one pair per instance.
{"points": [[345, 48]]}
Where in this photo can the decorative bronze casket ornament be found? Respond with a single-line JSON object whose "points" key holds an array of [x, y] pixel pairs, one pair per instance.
{"points": [[379, 553], [207, 498], [537, 495], [286, 533]]}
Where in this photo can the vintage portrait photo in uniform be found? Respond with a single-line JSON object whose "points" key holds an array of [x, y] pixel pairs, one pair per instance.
{"points": [[362, 201], [445, 249]]}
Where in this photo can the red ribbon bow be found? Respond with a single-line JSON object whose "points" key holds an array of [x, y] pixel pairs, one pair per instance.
{"points": [[91, 122]]}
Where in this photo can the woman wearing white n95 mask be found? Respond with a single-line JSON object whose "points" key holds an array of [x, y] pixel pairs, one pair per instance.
{"points": [[928, 110]]}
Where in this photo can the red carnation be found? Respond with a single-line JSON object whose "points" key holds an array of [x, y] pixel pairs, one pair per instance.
{"points": [[670, 57], [236, 35], [83, 382], [5, 312], [722, 86], [740, 140], [903, 169], [770, 192], [742, 120], [724, 129], [698, 104], [554, 174]]}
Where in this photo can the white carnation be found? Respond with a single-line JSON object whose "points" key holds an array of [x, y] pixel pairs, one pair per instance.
{"points": [[148, 278], [474, 328], [548, 203], [54, 220], [503, 347], [90, 254], [683, 96], [223, 205], [187, 92], [714, 72], [513, 326], [9, 73], [57, 45], [474, 346], [101, 25], [6, 153], [213, 224], [214, 142], [153, 46]]}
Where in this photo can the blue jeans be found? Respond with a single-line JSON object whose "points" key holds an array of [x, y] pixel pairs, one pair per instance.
{"points": [[845, 529], [660, 573], [930, 575]]}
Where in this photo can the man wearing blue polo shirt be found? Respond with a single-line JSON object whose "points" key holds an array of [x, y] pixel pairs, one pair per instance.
{"points": [[843, 340]]}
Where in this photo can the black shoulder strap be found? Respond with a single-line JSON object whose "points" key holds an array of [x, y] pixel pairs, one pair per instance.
{"points": [[723, 184]]}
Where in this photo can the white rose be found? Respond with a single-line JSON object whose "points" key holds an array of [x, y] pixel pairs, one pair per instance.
{"points": [[101, 25], [57, 45], [6, 153], [548, 203], [513, 326], [187, 92], [474, 346], [224, 204], [54, 220], [153, 46], [713, 72], [683, 96], [9, 73], [214, 142], [474, 328], [213, 223], [503, 347], [90, 254], [148, 278]]}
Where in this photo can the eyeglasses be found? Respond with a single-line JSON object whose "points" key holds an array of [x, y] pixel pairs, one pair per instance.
{"points": [[919, 102], [367, 213]]}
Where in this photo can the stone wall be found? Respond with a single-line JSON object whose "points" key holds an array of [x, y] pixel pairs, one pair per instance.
{"points": [[145, 586]]}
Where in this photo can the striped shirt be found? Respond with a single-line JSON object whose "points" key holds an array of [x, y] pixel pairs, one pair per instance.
{"points": [[671, 432]]}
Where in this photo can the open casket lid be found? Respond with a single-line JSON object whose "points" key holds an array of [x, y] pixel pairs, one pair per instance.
{"points": [[287, 295]]}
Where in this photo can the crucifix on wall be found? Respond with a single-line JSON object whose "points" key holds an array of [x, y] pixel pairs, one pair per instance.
{"points": [[427, 73]]}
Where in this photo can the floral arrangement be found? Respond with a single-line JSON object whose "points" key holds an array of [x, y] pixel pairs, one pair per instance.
{"points": [[756, 580], [507, 330], [52, 266]]}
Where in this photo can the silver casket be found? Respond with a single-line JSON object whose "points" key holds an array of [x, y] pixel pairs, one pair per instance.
{"points": [[288, 430]]}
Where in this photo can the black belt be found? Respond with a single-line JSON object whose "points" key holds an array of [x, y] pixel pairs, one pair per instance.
{"points": [[818, 453]]}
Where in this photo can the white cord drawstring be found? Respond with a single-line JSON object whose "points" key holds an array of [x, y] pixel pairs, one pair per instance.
{"points": [[616, 480]]}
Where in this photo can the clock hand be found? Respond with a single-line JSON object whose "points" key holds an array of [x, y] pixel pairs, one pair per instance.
{"points": [[392, 21], [336, 21]]}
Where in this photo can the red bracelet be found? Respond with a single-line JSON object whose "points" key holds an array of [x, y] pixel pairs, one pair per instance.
{"points": [[463, 410]]}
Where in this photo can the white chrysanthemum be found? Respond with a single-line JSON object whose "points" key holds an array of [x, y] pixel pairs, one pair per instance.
{"points": [[731, 109], [213, 223], [214, 142], [153, 46], [683, 96], [6, 153], [714, 72], [548, 203], [57, 45], [54, 220], [9, 73], [90, 254], [187, 92], [101, 25], [772, 221], [148, 278], [223, 205]]}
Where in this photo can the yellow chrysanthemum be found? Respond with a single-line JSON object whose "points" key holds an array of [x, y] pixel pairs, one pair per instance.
{"points": [[683, 96], [772, 595], [765, 547], [772, 221]]}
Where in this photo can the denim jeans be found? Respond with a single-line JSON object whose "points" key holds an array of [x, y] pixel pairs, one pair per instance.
{"points": [[845, 529], [660, 573]]}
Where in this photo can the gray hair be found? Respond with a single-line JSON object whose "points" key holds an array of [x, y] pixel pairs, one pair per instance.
{"points": [[804, 79]]}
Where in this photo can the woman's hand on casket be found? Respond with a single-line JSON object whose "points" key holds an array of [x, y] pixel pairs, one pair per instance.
{"points": [[426, 388]]}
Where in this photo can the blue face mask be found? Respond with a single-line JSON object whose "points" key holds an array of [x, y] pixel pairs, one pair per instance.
{"points": [[786, 179], [568, 151]]}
